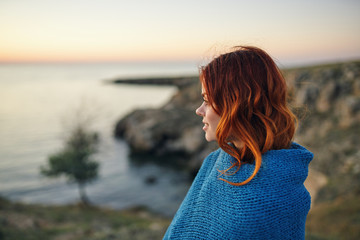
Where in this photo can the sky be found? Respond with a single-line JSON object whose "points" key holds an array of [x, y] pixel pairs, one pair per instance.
{"points": [[293, 32]]}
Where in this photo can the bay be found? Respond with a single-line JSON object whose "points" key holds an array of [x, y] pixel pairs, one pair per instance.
{"points": [[39, 101]]}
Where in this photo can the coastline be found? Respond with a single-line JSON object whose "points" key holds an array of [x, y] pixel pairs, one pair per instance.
{"points": [[333, 216], [178, 81]]}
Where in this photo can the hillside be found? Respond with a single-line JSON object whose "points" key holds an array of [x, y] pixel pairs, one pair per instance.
{"points": [[327, 99]]}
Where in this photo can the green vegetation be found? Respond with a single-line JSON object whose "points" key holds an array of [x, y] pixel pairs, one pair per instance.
{"points": [[335, 220], [80, 222], [74, 161], [327, 221]]}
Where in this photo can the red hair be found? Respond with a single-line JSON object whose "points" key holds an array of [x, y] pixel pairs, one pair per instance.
{"points": [[248, 91]]}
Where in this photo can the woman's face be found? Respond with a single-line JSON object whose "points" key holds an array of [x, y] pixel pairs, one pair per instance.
{"points": [[210, 118]]}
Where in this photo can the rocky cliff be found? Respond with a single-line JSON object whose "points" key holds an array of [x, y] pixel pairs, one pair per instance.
{"points": [[326, 99], [173, 131]]}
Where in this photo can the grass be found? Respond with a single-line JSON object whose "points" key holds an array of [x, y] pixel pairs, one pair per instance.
{"points": [[336, 220], [25, 222]]}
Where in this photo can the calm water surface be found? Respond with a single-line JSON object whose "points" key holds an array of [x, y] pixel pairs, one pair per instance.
{"points": [[38, 101]]}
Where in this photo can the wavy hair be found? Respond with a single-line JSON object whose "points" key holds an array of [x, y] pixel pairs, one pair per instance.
{"points": [[248, 91]]}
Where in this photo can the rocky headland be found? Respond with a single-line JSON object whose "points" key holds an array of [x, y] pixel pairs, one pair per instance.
{"points": [[173, 81], [172, 132], [326, 99]]}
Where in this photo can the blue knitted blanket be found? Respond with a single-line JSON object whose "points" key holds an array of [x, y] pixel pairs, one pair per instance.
{"points": [[273, 205]]}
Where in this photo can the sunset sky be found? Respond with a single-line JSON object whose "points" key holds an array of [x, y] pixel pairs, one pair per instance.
{"points": [[294, 32]]}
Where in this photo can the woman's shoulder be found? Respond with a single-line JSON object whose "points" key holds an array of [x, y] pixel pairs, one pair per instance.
{"points": [[286, 164], [296, 158], [212, 157]]}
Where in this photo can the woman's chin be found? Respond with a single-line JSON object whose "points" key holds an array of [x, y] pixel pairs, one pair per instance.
{"points": [[209, 138]]}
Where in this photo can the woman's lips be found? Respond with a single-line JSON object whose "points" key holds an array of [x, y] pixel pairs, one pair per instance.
{"points": [[205, 127]]}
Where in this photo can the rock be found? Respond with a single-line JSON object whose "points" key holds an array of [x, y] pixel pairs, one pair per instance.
{"points": [[327, 96], [307, 95], [161, 131], [170, 81], [150, 180], [315, 181], [173, 129], [349, 111]]}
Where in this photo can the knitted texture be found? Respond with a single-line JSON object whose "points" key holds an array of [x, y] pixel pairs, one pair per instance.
{"points": [[273, 205]]}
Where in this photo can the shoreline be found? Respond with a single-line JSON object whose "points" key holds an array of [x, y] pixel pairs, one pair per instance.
{"points": [[178, 81]]}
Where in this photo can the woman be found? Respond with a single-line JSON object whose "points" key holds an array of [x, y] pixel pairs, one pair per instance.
{"points": [[252, 186]]}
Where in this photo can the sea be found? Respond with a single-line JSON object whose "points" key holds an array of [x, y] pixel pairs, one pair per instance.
{"points": [[39, 102]]}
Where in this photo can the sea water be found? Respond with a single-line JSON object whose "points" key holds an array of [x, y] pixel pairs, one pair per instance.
{"points": [[38, 104]]}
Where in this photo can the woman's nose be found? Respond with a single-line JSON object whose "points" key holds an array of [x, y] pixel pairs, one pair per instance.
{"points": [[200, 111]]}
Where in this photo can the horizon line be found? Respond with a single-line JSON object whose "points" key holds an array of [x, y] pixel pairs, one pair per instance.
{"points": [[289, 64]]}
